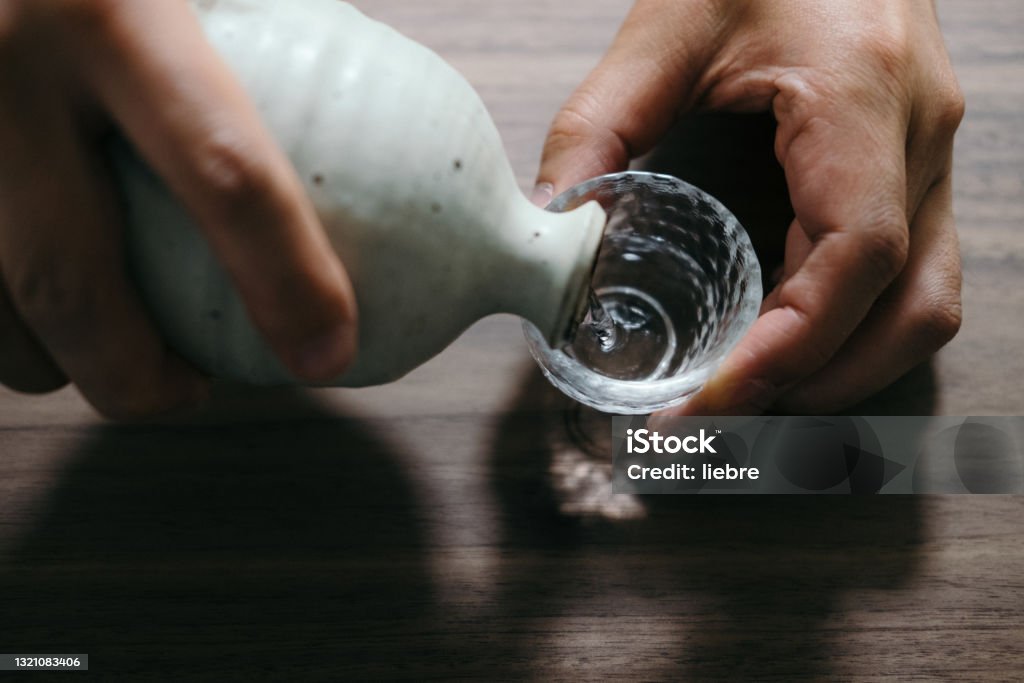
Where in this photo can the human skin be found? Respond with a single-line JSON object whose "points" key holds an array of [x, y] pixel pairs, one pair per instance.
{"points": [[72, 71], [863, 92], [866, 105]]}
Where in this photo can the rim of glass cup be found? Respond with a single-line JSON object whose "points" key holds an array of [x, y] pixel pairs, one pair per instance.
{"points": [[612, 395]]}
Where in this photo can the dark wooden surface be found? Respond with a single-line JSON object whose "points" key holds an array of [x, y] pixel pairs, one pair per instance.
{"points": [[458, 522]]}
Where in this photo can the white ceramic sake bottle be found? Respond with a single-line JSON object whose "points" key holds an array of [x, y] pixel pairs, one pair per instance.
{"points": [[408, 174]]}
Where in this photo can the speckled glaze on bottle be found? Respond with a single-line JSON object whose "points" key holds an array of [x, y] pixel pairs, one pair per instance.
{"points": [[409, 177]]}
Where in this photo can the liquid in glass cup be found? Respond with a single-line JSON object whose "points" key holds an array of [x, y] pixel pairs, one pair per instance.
{"points": [[675, 287]]}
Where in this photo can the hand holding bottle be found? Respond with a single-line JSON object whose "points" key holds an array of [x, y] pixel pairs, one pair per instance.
{"points": [[72, 71]]}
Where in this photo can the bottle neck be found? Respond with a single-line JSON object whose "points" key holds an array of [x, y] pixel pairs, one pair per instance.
{"points": [[546, 278]]}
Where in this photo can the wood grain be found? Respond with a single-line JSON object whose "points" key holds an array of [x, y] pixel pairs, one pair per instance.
{"points": [[458, 524]]}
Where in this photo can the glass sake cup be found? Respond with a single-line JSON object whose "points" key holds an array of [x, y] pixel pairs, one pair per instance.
{"points": [[677, 278]]}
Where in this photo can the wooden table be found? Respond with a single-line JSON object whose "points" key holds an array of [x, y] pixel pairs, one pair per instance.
{"points": [[458, 522]]}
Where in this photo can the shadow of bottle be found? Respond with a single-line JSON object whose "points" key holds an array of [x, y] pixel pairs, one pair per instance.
{"points": [[225, 549]]}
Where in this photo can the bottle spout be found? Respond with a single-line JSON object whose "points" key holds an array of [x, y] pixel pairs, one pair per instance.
{"points": [[588, 223], [577, 292], [549, 258]]}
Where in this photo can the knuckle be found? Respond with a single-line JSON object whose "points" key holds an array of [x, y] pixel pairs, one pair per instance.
{"points": [[568, 122], [575, 118], [936, 323], [886, 245], [43, 297], [888, 47], [228, 174], [569, 127], [890, 43], [950, 106], [90, 16], [574, 126]]}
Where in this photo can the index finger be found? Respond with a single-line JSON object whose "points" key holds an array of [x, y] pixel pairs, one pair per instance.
{"points": [[187, 115], [847, 180]]}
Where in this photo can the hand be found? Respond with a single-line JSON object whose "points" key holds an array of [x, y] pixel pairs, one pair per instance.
{"points": [[70, 72], [867, 105]]}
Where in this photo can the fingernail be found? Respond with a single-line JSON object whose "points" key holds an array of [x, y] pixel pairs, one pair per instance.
{"points": [[324, 356], [542, 194]]}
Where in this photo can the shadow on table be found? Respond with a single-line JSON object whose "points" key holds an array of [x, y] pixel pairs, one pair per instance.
{"points": [[225, 550], [680, 586], [721, 587], [294, 546]]}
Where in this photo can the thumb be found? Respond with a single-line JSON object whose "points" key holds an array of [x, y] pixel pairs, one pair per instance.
{"points": [[629, 101]]}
